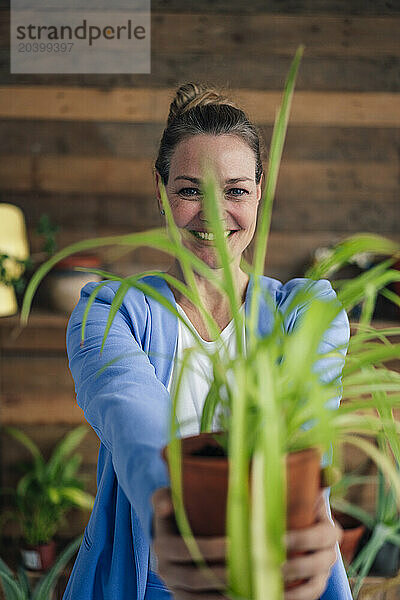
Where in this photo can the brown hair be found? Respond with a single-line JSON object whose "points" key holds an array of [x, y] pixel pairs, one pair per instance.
{"points": [[198, 108]]}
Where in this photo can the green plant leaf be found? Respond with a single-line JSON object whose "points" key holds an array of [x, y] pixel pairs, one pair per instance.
{"points": [[275, 154], [47, 583], [21, 437], [77, 497], [11, 588], [353, 510], [71, 466], [24, 581], [347, 249], [25, 484], [70, 441]]}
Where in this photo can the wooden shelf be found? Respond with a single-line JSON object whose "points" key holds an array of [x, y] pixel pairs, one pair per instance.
{"points": [[37, 317], [45, 330]]}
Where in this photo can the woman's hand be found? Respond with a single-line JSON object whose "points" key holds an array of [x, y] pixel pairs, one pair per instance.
{"points": [[319, 541], [175, 565], [185, 580]]}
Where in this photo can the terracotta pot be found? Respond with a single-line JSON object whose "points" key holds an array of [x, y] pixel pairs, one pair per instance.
{"points": [[353, 530], [40, 557], [63, 284], [205, 486]]}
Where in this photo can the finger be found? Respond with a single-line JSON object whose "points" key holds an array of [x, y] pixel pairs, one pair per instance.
{"points": [[322, 514], [310, 565], [212, 549], [339, 531], [184, 595], [316, 537], [164, 523], [323, 534], [320, 507], [311, 590], [193, 579], [162, 502]]}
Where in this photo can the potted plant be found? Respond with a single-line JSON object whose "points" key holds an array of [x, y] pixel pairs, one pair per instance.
{"points": [[298, 416], [44, 494], [18, 587], [353, 528], [362, 261], [377, 551], [195, 498], [62, 286]]}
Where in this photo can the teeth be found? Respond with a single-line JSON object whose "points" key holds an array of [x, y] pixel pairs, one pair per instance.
{"points": [[207, 236]]}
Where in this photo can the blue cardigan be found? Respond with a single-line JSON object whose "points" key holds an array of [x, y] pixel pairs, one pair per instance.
{"points": [[128, 407]]}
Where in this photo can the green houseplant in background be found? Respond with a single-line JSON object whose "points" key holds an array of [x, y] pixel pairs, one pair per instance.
{"points": [[353, 528], [284, 402], [44, 495], [63, 284], [18, 587], [378, 550]]}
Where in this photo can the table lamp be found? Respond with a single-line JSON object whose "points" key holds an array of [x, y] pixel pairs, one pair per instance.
{"points": [[14, 243]]}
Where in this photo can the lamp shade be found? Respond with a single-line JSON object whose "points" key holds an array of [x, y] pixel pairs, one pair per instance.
{"points": [[14, 242], [13, 238]]}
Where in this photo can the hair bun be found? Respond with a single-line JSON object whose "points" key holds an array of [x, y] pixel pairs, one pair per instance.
{"points": [[193, 94]]}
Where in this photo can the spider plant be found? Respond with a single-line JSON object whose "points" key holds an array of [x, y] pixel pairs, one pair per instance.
{"points": [[279, 391], [47, 490], [384, 524], [383, 527], [18, 587]]}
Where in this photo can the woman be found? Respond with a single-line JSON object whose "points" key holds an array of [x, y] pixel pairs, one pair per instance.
{"points": [[128, 404]]}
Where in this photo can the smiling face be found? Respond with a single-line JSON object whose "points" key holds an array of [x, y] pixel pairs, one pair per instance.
{"points": [[234, 164]]}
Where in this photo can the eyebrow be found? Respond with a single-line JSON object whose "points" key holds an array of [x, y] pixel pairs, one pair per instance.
{"points": [[196, 180]]}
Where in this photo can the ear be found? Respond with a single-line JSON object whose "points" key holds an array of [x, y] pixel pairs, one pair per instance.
{"points": [[259, 188]]}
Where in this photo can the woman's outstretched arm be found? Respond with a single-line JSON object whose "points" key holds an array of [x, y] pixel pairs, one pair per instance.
{"points": [[126, 404]]}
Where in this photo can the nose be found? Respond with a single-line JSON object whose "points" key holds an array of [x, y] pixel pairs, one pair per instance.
{"points": [[202, 215], [223, 208]]}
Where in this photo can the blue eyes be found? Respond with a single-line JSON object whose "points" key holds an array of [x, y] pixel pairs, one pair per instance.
{"points": [[195, 192]]}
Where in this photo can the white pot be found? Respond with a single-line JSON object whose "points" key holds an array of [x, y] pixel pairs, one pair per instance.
{"points": [[64, 288]]}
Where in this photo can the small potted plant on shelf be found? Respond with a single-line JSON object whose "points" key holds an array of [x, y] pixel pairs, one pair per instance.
{"points": [[377, 552], [274, 403], [353, 528], [62, 287], [44, 494], [18, 587]]}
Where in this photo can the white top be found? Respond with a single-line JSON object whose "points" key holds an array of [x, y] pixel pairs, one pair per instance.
{"points": [[198, 374], [196, 381]]}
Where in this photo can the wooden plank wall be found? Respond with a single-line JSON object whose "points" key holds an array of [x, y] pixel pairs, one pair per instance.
{"points": [[80, 148]]}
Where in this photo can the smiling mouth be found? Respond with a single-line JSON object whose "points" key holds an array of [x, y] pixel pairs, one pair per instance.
{"points": [[209, 237]]}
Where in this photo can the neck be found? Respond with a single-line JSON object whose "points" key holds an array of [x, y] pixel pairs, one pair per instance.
{"points": [[211, 297]]}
